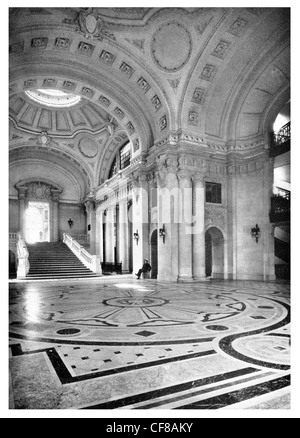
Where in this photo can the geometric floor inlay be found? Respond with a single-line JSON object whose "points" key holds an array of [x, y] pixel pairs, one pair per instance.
{"points": [[148, 344]]}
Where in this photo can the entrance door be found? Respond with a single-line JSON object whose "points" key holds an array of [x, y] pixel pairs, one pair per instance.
{"points": [[214, 246], [37, 226], [154, 254]]}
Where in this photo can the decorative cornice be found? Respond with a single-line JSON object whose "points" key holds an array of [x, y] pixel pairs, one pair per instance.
{"points": [[176, 138]]}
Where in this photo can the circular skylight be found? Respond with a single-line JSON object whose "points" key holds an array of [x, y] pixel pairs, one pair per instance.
{"points": [[54, 98]]}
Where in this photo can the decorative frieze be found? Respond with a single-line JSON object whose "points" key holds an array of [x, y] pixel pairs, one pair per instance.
{"points": [[174, 84], [90, 24]]}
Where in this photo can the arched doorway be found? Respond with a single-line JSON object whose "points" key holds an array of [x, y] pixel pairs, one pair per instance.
{"points": [[154, 254], [214, 253], [37, 227]]}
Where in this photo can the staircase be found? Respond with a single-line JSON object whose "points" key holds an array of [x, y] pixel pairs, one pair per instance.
{"points": [[54, 260]]}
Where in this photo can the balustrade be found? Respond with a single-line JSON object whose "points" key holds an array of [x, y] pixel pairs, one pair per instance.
{"points": [[90, 261]]}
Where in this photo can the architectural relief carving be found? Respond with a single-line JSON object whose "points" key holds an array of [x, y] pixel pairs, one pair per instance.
{"points": [[200, 28], [90, 25], [222, 49], [130, 128], [68, 85], [238, 27], [38, 190], [214, 215], [16, 47], [137, 43], [208, 72], [119, 113], [136, 145], [106, 102], [156, 102], [162, 123], [39, 43], [85, 48], [174, 84], [193, 118], [30, 83], [143, 84], [62, 43], [88, 92], [107, 57], [198, 95], [50, 82], [126, 69]]}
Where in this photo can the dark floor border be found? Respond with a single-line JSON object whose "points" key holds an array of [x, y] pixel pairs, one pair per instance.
{"points": [[224, 400], [65, 376], [226, 343], [151, 395]]}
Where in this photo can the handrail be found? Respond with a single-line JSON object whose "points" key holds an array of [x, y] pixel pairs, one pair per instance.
{"points": [[282, 136], [90, 261], [80, 237], [23, 257]]}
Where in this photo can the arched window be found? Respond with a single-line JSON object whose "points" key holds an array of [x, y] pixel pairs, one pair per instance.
{"points": [[121, 161]]}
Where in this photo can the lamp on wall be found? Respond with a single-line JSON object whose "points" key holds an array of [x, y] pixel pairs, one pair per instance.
{"points": [[255, 233], [70, 222], [162, 233], [136, 236]]}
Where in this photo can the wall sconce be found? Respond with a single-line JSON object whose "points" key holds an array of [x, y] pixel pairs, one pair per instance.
{"points": [[255, 233], [136, 236], [70, 222], [162, 233]]}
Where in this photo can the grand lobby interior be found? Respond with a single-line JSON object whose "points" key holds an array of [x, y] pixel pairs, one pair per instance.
{"points": [[158, 134]]}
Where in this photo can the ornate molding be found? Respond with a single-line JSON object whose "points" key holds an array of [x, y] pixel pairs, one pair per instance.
{"points": [[90, 24]]}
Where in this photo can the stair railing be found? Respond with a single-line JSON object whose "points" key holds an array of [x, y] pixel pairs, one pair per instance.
{"points": [[92, 262], [23, 257]]}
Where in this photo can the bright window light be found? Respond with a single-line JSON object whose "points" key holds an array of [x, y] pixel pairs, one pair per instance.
{"points": [[54, 98]]}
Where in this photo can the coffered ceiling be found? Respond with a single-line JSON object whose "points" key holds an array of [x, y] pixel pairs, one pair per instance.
{"points": [[142, 72]]}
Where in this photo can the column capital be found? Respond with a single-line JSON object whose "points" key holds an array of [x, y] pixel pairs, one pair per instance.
{"points": [[90, 205], [184, 174], [198, 179], [22, 191]]}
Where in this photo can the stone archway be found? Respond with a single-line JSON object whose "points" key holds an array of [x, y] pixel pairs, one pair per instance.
{"points": [[214, 253], [154, 257]]}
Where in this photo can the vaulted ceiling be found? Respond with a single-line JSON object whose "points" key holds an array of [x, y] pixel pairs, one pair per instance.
{"points": [[142, 72]]}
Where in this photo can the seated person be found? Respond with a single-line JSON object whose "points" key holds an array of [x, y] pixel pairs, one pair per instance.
{"points": [[146, 268]]}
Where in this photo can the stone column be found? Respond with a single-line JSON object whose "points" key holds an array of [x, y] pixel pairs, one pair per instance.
{"points": [[123, 235], [90, 208], [109, 237], [55, 217], [22, 206], [140, 220], [198, 228], [169, 218], [185, 227]]}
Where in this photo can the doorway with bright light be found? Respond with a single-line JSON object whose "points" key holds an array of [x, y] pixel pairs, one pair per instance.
{"points": [[37, 223]]}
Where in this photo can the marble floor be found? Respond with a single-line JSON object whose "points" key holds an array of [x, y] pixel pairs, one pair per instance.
{"points": [[118, 343]]}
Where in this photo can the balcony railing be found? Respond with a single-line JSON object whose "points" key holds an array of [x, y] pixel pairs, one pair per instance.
{"points": [[280, 140]]}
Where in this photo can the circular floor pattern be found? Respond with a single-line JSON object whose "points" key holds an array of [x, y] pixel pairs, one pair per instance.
{"points": [[130, 314]]}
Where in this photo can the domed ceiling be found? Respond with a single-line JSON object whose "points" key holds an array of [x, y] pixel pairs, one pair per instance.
{"points": [[219, 74]]}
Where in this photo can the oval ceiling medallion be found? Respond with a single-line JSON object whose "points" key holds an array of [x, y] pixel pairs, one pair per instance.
{"points": [[88, 147], [171, 46], [53, 98]]}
